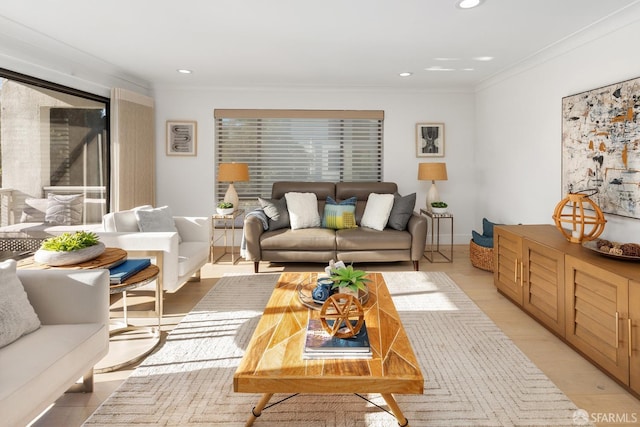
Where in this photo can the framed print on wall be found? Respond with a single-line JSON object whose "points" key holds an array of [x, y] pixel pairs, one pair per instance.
{"points": [[181, 138], [430, 140]]}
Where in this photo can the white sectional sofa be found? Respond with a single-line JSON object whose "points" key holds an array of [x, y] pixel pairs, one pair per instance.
{"points": [[73, 308]]}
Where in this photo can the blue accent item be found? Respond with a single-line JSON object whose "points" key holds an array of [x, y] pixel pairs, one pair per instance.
{"points": [[123, 271], [322, 291], [487, 228], [481, 240]]}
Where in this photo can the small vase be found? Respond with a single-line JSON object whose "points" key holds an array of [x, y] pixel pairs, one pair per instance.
{"points": [[59, 258]]}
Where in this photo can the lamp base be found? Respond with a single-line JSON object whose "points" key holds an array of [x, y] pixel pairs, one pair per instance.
{"points": [[231, 196], [432, 195]]}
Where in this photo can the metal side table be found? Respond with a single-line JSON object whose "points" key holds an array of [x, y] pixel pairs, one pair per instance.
{"points": [[229, 223], [435, 247]]}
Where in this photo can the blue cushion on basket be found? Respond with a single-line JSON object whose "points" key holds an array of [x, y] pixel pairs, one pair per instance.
{"points": [[482, 240], [487, 227]]}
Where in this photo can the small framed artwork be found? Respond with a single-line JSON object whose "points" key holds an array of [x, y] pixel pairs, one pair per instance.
{"points": [[181, 138], [430, 140]]}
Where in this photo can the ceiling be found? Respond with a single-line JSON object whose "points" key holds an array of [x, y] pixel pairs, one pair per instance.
{"points": [[295, 43]]}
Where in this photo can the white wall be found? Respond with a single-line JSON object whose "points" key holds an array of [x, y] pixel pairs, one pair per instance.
{"points": [[187, 183], [519, 128]]}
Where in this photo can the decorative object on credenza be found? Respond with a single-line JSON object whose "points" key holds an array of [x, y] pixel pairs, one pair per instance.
{"points": [[439, 207], [182, 138], [225, 208], [599, 146], [68, 248], [432, 172], [622, 251], [232, 172], [572, 211], [430, 140]]}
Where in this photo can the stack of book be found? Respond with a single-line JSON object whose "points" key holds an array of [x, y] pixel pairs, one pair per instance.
{"points": [[320, 345], [121, 272]]}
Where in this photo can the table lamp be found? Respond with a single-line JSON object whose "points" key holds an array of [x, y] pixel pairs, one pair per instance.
{"points": [[232, 172], [432, 172]]}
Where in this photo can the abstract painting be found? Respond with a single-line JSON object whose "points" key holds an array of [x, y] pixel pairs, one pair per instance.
{"points": [[181, 138], [601, 146]]}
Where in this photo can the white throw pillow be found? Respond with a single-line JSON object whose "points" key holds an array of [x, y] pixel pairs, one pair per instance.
{"points": [[64, 209], [376, 211], [17, 317], [303, 210], [156, 219]]}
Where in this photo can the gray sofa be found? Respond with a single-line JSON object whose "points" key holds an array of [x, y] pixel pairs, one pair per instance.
{"points": [[321, 245]]}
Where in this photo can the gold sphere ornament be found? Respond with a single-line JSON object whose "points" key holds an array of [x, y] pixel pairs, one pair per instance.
{"points": [[583, 226]]}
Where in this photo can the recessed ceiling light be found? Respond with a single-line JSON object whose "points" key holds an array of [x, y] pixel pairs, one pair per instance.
{"points": [[405, 74], [483, 58], [184, 71], [468, 4], [446, 59], [467, 69], [438, 68]]}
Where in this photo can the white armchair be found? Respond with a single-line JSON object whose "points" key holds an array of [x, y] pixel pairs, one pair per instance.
{"points": [[179, 255]]}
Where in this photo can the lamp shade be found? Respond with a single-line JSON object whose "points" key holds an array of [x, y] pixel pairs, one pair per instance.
{"points": [[432, 171], [233, 172]]}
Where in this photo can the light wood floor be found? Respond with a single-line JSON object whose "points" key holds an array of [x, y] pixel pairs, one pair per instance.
{"points": [[587, 386]]}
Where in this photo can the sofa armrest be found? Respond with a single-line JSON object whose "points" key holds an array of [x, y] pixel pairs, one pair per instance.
{"points": [[68, 296], [417, 227], [194, 229], [252, 230]]}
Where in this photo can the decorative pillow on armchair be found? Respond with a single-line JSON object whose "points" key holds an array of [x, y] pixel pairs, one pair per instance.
{"points": [[156, 219], [303, 210], [64, 209], [340, 215], [34, 210]]}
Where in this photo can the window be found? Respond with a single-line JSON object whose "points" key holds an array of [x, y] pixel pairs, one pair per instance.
{"points": [[53, 140], [298, 145]]}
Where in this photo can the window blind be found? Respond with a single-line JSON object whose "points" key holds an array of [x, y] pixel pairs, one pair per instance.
{"points": [[298, 145]]}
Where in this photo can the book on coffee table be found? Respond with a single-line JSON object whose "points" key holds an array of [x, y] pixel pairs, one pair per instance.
{"points": [[320, 345], [128, 268]]}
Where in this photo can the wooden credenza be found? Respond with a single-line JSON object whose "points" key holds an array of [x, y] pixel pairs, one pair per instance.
{"points": [[590, 301]]}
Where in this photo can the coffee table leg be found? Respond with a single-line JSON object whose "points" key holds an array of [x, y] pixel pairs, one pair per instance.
{"points": [[257, 411], [393, 405]]}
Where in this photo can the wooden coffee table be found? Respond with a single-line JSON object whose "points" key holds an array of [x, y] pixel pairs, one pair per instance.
{"points": [[273, 360]]}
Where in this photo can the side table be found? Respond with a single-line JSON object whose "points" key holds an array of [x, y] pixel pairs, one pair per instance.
{"points": [[128, 343], [434, 229], [226, 219]]}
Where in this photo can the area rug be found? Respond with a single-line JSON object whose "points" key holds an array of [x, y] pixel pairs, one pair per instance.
{"points": [[474, 374]]}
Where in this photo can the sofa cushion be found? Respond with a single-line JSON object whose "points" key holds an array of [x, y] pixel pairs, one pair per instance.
{"points": [[17, 317], [377, 210], [276, 212], [339, 215], [156, 219], [191, 255], [34, 210], [303, 210], [401, 211], [64, 209], [363, 239], [310, 239]]}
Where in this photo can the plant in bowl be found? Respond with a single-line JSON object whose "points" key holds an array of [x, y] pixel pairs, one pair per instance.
{"points": [[439, 207], [348, 278], [69, 248], [224, 208]]}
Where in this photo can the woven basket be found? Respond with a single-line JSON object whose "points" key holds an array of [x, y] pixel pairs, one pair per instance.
{"points": [[481, 257]]}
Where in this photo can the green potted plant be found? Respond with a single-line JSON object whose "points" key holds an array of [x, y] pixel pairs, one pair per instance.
{"points": [[439, 207], [224, 208], [69, 248], [349, 280]]}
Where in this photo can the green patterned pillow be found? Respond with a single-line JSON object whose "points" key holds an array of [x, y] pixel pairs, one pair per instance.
{"points": [[339, 215]]}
